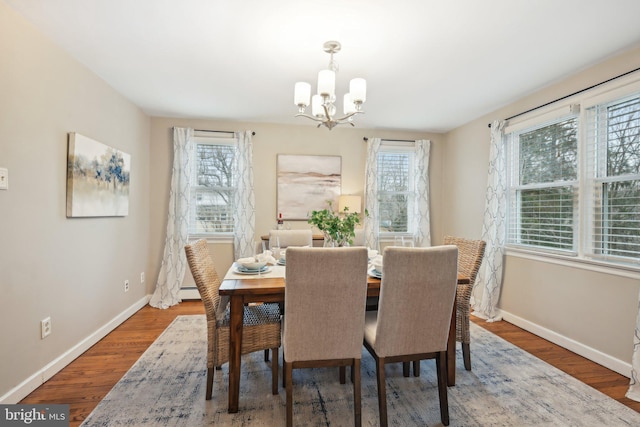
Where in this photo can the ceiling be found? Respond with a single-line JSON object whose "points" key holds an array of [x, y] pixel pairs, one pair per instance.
{"points": [[430, 65]]}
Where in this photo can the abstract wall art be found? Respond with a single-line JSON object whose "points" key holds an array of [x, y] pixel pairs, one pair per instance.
{"points": [[306, 183], [97, 179]]}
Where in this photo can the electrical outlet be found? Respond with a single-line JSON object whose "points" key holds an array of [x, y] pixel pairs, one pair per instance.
{"points": [[126, 286], [45, 327], [142, 278]]}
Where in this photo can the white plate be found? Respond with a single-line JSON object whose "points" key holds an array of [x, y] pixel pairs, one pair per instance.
{"points": [[252, 272], [282, 262], [375, 273]]}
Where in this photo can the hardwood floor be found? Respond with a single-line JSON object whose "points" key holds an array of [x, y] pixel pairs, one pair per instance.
{"points": [[85, 381]]}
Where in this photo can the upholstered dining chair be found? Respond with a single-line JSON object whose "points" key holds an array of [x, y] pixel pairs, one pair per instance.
{"points": [[412, 323], [325, 305], [261, 329], [292, 237], [470, 255]]}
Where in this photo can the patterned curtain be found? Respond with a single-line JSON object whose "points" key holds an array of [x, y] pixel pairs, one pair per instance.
{"points": [[244, 218], [174, 260], [422, 236], [494, 227], [371, 235], [634, 385]]}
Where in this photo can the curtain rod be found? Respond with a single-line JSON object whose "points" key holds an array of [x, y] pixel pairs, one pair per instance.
{"points": [[218, 131], [571, 94], [399, 140]]}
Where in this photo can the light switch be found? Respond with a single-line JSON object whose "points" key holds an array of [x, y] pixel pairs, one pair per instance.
{"points": [[4, 179]]}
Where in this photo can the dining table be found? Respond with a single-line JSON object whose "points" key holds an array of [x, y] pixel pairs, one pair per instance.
{"points": [[270, 287]]}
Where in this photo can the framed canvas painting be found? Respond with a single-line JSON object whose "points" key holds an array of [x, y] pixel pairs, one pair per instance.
{"points": [[306, 183], [97, 179]]}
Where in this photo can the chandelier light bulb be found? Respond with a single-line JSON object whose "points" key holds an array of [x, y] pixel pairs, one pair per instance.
{"points": [[316, 106], [348, 105]]}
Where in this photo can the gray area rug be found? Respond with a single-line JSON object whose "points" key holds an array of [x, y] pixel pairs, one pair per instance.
{"points": [[507, 387]]}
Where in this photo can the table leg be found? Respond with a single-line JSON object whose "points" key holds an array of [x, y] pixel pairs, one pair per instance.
{"points": [[451, 349], [235, 351]]}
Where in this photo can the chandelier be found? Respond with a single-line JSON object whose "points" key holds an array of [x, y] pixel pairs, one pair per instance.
{"points": [[323, 108]]}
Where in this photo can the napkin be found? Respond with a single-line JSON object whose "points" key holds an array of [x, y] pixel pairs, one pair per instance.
{"points": [[267, 256]]}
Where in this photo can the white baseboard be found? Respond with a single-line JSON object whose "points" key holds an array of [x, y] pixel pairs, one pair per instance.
{"points": [[38, 378], [189, 293], [617, 365]]}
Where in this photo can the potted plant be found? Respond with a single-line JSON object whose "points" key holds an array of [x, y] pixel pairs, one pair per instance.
{"points": [[338, 228]]}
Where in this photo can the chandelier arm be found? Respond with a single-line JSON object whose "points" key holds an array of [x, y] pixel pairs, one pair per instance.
{"points": [[317, 119]]}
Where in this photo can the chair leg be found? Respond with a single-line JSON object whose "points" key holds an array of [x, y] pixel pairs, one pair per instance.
{"points": [[266, 355], [357, 402], [288, 371], [343, 375], [441, 367], [210, 372], [416, 368], [466, 355], [382, 391], [274, 371]]}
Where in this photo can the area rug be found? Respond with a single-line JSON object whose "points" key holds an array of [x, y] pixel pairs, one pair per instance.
{"points": [[507, 387]]}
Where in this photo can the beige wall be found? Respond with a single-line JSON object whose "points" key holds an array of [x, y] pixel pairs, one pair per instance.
{"points": [[589, 311], [269, 141], [70, 269]]}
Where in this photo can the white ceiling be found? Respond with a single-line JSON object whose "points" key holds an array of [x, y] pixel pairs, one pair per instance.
{"points": [[430, 65]]}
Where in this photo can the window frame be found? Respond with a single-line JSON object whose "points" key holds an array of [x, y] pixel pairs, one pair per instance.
{"points": [[583, 257], [399, 147], [200, 139]]}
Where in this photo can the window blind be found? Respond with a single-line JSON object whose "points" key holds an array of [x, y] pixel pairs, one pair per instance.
{"points": [[543, 186], [613, 175]]}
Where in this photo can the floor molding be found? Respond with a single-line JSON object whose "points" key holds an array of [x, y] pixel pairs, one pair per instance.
{"points": [[42, 375], [617, 365]]}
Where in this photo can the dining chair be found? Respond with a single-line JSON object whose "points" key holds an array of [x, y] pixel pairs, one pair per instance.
{"points": [[470, 255], [325, 305], [359, 238], [412, 323], [261, 327], [292, 237]]}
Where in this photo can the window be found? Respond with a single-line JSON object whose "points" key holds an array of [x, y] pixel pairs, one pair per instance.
{"points": [[212, 186], [544, 185], [613, 167], [396, 193], [573, 184]]}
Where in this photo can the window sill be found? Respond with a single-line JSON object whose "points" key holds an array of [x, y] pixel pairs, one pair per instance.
{"points": [[624, 270], [217, 238]]}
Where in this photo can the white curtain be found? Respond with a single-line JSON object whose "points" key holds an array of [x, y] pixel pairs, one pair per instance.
{"points": [[371, 235], [244, 218], [634, 385], [493, 228], [422, 236], [174, 260]]}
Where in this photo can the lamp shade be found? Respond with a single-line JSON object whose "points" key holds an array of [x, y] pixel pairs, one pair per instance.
{"points": [[302, 94], [327, 83], [316, 106], [354, 203], [358, 89], [348, 105]]}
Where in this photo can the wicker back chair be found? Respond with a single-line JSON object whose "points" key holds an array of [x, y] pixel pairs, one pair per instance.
{"points": [[261, 330], [470, 254]]}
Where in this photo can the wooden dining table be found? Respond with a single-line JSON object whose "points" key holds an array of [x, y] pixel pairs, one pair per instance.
{"points": [[271, 289]]}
